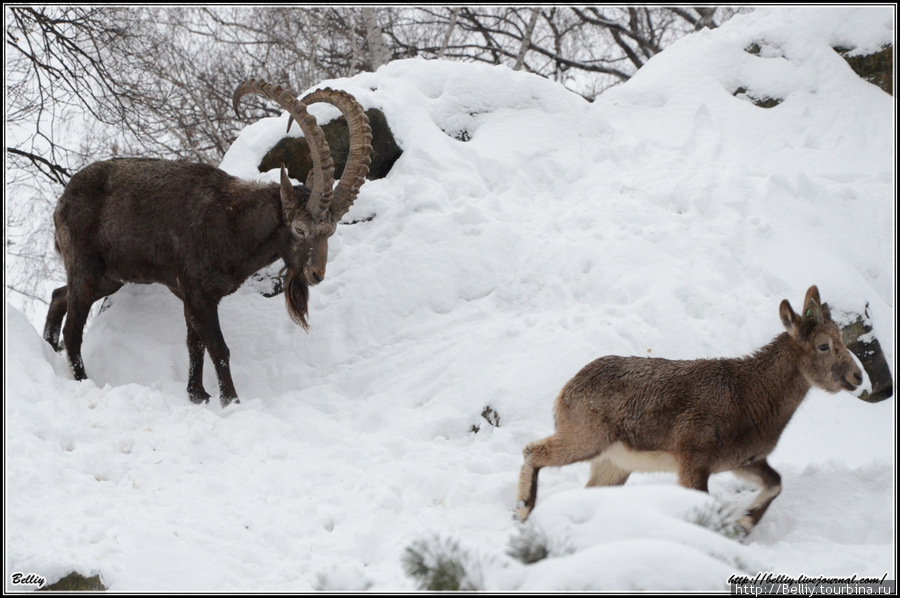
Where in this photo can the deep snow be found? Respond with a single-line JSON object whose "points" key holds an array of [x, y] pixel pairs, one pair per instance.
{"points": [[668, 218]]}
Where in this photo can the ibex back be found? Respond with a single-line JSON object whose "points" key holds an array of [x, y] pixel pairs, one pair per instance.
{"points": [[695, 418], [201, 232]]}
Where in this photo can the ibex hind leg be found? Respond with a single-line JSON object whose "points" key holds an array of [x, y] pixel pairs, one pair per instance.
{"points": [[58, 306], [79, 297], [553, 451]]}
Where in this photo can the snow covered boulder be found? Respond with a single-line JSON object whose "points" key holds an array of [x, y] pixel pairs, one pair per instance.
{"points": [[293, 152]]}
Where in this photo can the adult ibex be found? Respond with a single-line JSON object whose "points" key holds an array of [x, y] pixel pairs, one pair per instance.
{"points": [[697, 417], [202, 232]]}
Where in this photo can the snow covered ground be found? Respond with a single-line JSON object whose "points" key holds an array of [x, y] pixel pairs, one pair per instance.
{"points": [[669, 218]]}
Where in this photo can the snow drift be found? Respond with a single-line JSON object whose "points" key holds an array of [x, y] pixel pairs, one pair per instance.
{"points": [[523, 232]]}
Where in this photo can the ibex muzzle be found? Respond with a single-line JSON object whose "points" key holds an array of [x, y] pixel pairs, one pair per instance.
{"points": [[202, 232]]}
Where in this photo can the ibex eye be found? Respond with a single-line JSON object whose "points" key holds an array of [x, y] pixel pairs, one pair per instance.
{"points": [[824, 348]]}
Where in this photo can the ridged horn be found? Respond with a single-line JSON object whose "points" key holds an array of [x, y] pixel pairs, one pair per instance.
{"points": [[359, 155], [320, 199]]}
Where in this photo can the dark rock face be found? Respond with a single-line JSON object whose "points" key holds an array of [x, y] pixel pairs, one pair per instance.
{"points": [[293, 152], [860, 340], [75, 582], [877, 68]]}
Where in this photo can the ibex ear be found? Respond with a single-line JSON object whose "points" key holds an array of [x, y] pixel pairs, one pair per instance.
{"points": [[812, 303], [790, 319], [813, 310]]}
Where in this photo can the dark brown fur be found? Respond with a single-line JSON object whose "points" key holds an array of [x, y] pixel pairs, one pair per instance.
{"points": [[202, 233], [191, 227], [296, 296], [695, 417]]}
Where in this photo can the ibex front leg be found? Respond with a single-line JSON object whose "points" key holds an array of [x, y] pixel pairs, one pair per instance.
{"points": [[204, 331], [196, 350]]}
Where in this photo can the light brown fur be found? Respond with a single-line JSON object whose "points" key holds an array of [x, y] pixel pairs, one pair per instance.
{"points": [[695, 417]]}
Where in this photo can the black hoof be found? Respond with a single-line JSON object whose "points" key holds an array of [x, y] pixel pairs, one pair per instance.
{"points": [[226, 401], [199, 397]]}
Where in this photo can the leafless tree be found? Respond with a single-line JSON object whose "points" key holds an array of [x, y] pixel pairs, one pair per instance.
{"points": [[64, 65], [378, 51], [526, 38], [63, 62], [587, 49], [86, 83], [163, 73]]}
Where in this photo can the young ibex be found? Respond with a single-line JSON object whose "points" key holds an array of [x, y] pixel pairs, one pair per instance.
{"points": [[202, 232], [697, 417]]}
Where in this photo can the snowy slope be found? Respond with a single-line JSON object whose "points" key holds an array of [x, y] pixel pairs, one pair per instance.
{"points": [[669, 218]]}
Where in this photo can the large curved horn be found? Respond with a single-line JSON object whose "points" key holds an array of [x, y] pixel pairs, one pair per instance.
{"points": [[360, 153], [320, 197]]}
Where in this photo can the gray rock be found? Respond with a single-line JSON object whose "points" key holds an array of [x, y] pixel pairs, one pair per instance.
{"points": [[857, 334]]}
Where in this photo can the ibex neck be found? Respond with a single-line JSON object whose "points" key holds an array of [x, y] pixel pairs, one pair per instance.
{"points": [[261, 223], [774, 374]]}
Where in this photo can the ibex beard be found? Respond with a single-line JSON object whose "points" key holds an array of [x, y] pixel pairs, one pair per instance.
{"points": [[296, 296]]}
